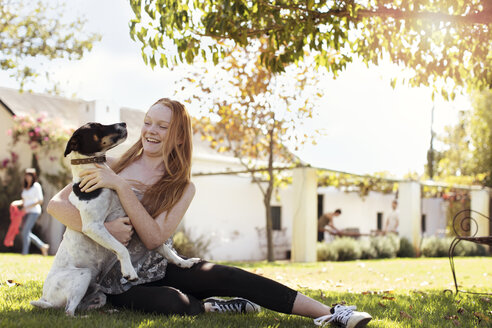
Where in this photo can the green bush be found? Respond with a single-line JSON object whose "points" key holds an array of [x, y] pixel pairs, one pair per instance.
{"points": [[386, 246], [468, 248], [390, 246], [368, 251], [347, 248], [325, 252], [406, 248], [189, 247], [435, 247], [439, 247]]}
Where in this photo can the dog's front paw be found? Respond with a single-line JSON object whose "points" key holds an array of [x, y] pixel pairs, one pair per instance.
{"points": [[130, 275], [188, 263]]}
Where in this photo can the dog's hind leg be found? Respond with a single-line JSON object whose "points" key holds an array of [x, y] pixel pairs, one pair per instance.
{"points": [[174, 258], [100, 235], [79, 283], [42, 303]]}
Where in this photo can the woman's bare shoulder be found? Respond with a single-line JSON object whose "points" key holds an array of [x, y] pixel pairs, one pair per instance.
{"points": [[190, 188], [111, 161]]}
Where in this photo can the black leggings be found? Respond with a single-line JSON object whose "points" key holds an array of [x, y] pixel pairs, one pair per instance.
{"points": [[181, 290]]}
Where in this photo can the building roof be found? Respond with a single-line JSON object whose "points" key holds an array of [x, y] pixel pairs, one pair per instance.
{"points": [[67, 110], [27, 103]]}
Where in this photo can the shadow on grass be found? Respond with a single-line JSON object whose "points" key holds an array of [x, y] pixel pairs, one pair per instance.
{"points": [[400, 309]]}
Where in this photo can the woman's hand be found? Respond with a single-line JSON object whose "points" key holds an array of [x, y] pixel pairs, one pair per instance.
{"points": [[99, 177], [121, 229]]}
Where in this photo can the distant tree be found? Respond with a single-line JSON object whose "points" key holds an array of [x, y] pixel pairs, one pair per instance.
{"points": [[455, 157], [481, 134], [254, 114], [35, 30], [438, 41], [466, 148]]}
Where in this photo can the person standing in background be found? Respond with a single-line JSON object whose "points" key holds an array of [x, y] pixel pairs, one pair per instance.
{"points": [[391, 224], [32, 199]]}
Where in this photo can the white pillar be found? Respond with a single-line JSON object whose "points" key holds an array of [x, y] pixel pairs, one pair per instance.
{"points": [[480, 203], [409, 204], [304, 225]]}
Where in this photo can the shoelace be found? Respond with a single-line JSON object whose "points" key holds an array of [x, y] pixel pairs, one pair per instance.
{"points": [[341, 315], [227, 307]]}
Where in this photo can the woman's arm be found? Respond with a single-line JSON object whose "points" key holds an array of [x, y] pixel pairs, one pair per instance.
{"points": [[39, 202], [152, 231], [63, 210]]}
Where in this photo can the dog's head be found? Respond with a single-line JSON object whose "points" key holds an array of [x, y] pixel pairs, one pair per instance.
{"points": [[93, 138]]}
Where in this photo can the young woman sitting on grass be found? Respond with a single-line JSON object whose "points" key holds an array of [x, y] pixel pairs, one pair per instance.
{"points": [[152, 180]]}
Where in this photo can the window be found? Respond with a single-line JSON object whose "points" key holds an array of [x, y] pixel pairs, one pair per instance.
{"points": [[380, 221], [423, 222], [320, 205], [276, 217]]}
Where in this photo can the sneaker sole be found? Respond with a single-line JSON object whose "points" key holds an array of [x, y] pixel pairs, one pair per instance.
{"points": [[362, 323]]}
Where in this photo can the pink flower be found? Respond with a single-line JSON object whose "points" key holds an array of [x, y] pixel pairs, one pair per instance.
{"points": [[5, 162], [9, 132], [37, 129], [14, 156], [46, 138]]}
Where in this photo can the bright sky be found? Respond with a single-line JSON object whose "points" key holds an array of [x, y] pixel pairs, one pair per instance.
{"points": [[370, 127]]}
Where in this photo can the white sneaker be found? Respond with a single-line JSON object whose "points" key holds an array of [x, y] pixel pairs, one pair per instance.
{"points": [[344, 316], [235, 305]]}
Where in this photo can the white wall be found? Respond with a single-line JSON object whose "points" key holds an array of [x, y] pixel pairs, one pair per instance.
{"points": [[229, 210], [357, 212], [102, 111], [435, 211]]}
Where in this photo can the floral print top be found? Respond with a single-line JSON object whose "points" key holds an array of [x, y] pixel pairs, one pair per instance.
{"points": [[149, 265]]}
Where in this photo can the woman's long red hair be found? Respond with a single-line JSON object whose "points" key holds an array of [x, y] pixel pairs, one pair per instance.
{"points": [[177, 150]]}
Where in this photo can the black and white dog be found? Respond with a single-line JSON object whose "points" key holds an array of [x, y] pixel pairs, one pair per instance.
{"points": [[83, 256]]}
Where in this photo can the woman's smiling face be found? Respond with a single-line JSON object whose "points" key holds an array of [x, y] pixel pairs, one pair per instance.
{"points": [[154, 129]]}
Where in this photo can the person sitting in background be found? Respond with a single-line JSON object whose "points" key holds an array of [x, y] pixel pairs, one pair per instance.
{"points": [[327, 220]]}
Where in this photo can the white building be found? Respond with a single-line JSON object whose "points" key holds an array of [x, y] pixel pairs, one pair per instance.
{"points": [[228, 209]]}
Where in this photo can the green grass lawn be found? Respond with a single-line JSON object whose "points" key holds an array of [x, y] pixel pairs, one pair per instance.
{"points": [[397, 293]]}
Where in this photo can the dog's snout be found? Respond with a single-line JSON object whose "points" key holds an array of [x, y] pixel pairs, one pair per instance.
{"points": [[123, 124]]}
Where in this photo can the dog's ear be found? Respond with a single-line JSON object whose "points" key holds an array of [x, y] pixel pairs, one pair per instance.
{"points": [[72, 145]]}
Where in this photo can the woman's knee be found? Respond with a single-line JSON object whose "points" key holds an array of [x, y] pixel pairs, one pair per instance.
{"points": [[161, 300]]}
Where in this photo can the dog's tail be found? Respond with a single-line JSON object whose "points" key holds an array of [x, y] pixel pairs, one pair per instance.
{"points": [[42, 304]]}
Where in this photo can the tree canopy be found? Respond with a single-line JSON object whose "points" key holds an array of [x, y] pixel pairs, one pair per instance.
{"points": [[253, 114], [35, 30], [464, 154], [438, 41]]}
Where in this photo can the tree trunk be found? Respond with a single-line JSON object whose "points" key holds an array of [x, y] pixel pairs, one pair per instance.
{"points": [[268, 198], [269, 232]]}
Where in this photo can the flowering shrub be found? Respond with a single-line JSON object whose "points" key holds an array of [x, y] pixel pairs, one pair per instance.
{"points": [[7, 161], [39, 132]]}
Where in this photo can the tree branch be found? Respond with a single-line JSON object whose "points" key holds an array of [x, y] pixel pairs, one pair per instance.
{"points": [[483, 17]]}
